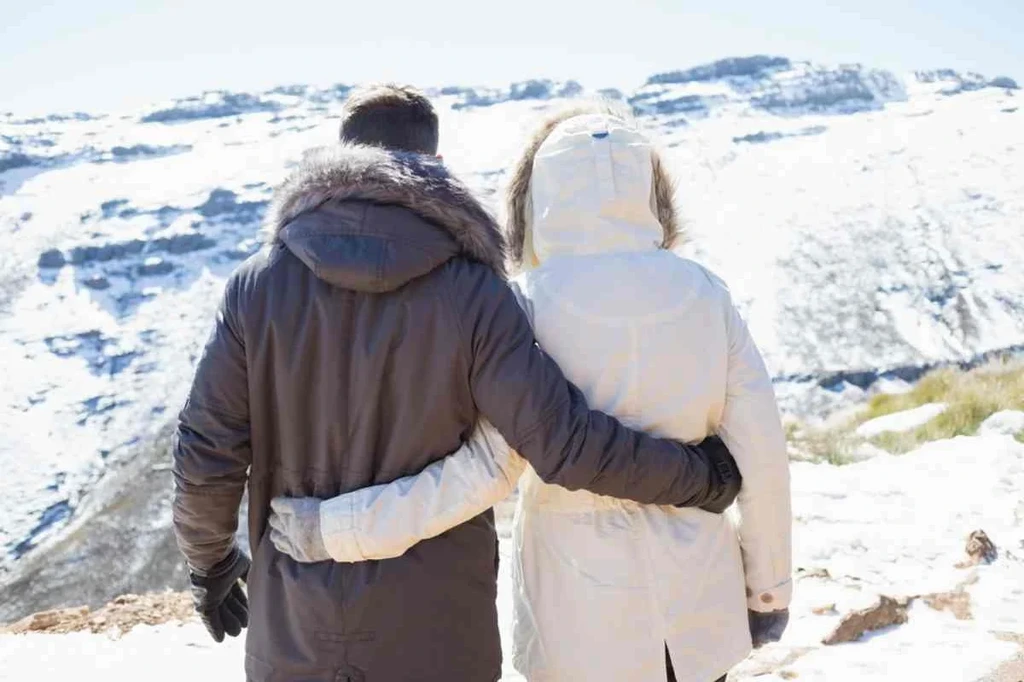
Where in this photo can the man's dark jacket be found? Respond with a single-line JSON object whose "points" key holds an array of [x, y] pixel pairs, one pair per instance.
{"points": [[363, 344]]}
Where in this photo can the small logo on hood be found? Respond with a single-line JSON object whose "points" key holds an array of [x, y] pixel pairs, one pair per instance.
{"points": [[599, 136]]}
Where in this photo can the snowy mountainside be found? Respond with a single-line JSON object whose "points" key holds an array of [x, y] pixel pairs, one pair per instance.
{"points": [[866, 223]]}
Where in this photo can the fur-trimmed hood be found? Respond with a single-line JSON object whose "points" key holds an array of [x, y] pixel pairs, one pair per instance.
{"points": [[348, 203], [520, 190]]}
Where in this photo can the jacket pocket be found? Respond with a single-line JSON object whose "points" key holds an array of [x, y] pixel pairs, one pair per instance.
{"points": [[596, 550]]}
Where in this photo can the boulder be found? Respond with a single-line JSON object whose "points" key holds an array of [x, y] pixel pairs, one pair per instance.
{"points": [[884, 613], [52, 259]]}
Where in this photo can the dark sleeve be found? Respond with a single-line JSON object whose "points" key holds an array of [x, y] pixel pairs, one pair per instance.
{"points": [[211, 445], [546, 419]]}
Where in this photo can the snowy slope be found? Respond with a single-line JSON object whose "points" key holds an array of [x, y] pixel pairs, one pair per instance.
{"points": [[883, 527], [865, 222]]}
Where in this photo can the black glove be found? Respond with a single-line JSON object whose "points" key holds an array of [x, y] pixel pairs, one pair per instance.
{"points": [[219, 598], [725, 475], [767, 627]]}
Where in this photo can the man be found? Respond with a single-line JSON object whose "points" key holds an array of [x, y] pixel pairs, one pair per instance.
{"points": [[362, 345]]}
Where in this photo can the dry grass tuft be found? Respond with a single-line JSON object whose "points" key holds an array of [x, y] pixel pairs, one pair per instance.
{"points": [[971, 397]]}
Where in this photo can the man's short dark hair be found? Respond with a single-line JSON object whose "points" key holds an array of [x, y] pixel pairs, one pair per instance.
{"points": [[391, 116]]}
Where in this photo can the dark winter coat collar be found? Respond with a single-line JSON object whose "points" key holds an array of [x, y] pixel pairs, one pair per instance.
{"points": [[351, 208]]}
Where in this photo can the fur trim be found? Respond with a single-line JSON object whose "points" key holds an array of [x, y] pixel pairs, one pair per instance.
{"points": [[417, 182], [664, 202], [517, 193]]}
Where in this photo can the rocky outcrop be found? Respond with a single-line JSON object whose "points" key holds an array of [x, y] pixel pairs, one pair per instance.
{"points": [[516, 92], [884, 613], [218, 104], [756, 66], [121, 615]]}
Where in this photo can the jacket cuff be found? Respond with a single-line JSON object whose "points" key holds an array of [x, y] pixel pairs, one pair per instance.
{"points": [[770, 598], [338, 529], [222, 567]]}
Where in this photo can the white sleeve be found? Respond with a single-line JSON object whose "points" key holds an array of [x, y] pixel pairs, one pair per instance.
{"points": [[752, 430], [383, 521]]}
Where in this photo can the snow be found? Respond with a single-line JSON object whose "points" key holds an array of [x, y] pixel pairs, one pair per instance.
{"points": [[894, 526], [897, 526], [890, 386], [1005, 422], [933, 646], [157, 653], [866, 232], [865, 451], [900, 422]]}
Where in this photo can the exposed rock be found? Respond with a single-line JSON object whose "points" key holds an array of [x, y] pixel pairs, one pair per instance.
{"points": [[155, 266], [524, 90], [224, 202], [101, 253], [211, 105], [1004, 82], [335, 93], [293, 90], [755, 66], [122, 614], [141, 151], [97, 282], [73, 116], [1012, 670], [47, 620], [186, 242], [654, 103], [220, 201], [843, 90], [182, 243], [125, 545], [52, 259], [109, 209], [954, 82], [15, 160], [570, 89], [852, 627], [763, 136], [957, 601], [758, 137], [233, 254], [823, 573], [980, 550], [542, 89]]}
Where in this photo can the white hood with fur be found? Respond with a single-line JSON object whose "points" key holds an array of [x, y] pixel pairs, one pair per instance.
{"points": [[602, 585], [592, 191]]}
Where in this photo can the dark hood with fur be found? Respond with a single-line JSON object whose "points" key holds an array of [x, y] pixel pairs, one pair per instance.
{"points": [[368, 219]]}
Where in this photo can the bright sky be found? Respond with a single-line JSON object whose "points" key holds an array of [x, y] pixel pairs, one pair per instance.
{"points": [[111, 54]]}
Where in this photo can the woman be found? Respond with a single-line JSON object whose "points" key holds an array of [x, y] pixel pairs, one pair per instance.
{"points": [[607, 589]]}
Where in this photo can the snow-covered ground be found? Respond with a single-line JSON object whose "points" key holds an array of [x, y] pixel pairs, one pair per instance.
{"points": [[893, 526], [901, 422], [865, 221]]}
